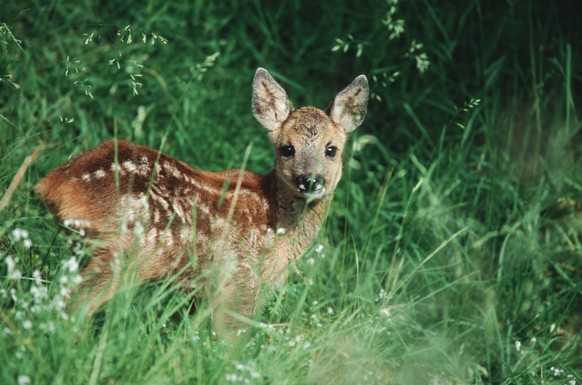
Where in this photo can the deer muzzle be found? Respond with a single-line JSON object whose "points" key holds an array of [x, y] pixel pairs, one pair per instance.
{"points": [[311, 185]]}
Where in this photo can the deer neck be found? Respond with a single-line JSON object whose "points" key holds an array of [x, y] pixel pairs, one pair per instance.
{"points": [[298, 221]]}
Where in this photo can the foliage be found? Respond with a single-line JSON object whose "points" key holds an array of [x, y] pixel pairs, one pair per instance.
{"points": [[452, 253]]}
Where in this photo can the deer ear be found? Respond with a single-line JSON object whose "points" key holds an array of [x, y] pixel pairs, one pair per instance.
{"points": [[271, 106], [348, 109]]}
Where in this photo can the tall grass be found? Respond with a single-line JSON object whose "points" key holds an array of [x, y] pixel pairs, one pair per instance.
{"points": [[452, 252]]}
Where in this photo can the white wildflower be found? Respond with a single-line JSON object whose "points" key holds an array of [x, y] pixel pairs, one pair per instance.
{"points": [[19, 234], [381, 295], [13, 272], [71, 265], [557, 372], [37, 277], [13, 295], [39, 293]]}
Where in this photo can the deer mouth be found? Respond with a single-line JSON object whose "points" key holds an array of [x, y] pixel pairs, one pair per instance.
{"points": [[312, 195]]}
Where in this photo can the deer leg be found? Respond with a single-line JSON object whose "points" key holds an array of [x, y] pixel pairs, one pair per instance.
{"points": [[101, 280]]}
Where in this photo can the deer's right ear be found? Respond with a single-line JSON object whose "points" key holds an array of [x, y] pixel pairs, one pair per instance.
{"points": [[271, 106]]}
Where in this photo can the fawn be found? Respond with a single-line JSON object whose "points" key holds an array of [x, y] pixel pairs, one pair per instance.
{"points": [[149, 213]]}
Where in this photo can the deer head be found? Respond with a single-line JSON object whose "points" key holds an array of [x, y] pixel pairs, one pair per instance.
{"points": [[308, 141]]}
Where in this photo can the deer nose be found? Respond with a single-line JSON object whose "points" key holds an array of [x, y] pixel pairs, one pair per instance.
{"points": [[310, 183]]}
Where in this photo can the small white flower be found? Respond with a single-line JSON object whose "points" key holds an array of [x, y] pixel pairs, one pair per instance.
{"points": [[311, 261], [48, 326], [557, 372], [37, 277], [23, 379], [13, 272], [39, 293], [381, 295], [19, 234], [27, 324], [518, 345], [319, 248], [27, 243], [13, 295], [281, 231], [71, 265]]}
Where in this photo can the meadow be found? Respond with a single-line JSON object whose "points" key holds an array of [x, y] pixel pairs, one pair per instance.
{"points": [[452, 253]]}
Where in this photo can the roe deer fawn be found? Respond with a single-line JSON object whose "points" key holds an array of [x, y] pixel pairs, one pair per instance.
{"points": [[147, 210]]}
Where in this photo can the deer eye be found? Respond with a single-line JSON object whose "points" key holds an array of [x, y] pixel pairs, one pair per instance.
{"points": [[330, 151], [287, 151]]}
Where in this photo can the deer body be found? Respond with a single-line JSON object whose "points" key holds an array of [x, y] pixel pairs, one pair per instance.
{"points": [[179, 221]]}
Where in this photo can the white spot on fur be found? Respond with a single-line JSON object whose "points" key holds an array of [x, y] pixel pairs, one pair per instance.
{"points": [[144, 167], [99, 174], [169, 240], [172, 170], [117, 168], [129, 166], [151, 238], [139, 229], [157, 169], [76, 223], [86, 177], [202, 207], [185, 234], [179, 211], [270, 237], [143, 201]]}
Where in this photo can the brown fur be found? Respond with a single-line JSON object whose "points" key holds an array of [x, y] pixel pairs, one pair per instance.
{"points": [[151, 215]]}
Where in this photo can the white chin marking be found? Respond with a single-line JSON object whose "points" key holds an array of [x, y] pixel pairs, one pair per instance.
{"points": [[310, 196]]}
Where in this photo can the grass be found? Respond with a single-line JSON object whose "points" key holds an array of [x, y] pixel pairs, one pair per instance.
{"points": [[452, 253]]}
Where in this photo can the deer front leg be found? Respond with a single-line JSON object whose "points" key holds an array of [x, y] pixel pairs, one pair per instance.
{"points": [[101, 279], [232, 290], [108, 272]]}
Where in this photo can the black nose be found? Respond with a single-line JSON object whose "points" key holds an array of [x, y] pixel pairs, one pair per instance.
{"points": [[310, 183]]}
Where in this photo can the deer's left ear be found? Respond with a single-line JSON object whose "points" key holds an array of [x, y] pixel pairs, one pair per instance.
{"points": [[348, 109]]}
